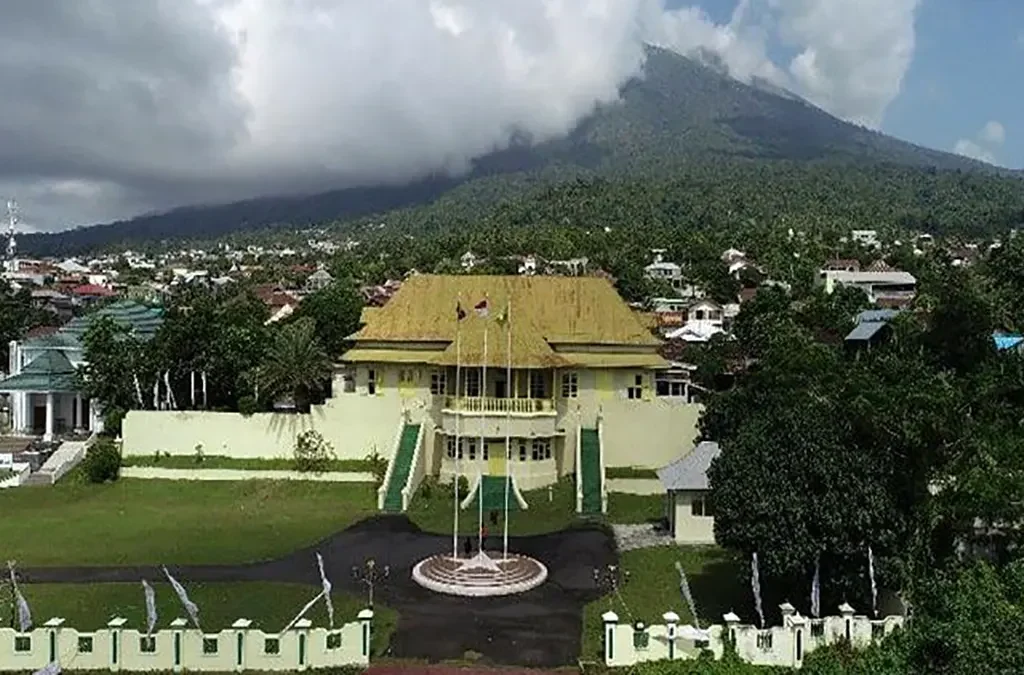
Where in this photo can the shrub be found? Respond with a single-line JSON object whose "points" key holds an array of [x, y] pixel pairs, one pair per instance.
{"points": [[312, 453], [102, 462], [427, 487], [463, 487], [247, 405], [112, 420], [378, 466]]}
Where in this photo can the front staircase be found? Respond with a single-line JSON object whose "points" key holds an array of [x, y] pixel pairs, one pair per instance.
{"points": [[401, 467], [589, 471]]}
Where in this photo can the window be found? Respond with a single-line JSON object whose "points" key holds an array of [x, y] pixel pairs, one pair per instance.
{"points": [[22, 643], [450, 445], [537, 385], [271, 646], [348, 382], [210, 645], [472, 448], [371, 382], [764, 640], [570, 385], [637, 390], [673, 385], [438, 384], [485, 452], [522, 451], [472, 382], [541, 449], [406, 377], [147, 644], [700, 507], [85, 644], [334, 640]]}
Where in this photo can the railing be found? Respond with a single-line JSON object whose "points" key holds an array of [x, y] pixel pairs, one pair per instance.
{"points": [[489, 404]]}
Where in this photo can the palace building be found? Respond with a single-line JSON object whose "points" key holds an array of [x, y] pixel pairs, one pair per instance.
{"points": [[559, 368]]}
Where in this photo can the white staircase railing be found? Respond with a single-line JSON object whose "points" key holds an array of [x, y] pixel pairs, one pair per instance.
{"points": [[600, 450], [382, 491], [412, 481], [579, 470]]}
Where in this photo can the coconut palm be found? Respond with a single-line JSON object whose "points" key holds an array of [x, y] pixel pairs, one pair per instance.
{"points": [[296, 365]]}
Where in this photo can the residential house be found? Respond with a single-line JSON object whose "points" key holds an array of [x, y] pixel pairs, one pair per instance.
{"points": [[469, 260], [318, 280], [704, 320], [842, 265], [45, 397], [867, 238], [871, 327], [59, 304], [686, 484], [884, 286], [663, 270]]}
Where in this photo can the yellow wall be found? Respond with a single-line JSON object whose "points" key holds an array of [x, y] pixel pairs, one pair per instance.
{"points": [[688, 528]]}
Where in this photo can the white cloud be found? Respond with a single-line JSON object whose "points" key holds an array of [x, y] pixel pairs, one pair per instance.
{"points": [[150, 104], [969, 148], [993, 132]]}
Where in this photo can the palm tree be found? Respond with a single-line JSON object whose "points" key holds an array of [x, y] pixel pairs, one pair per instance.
{"points": [[296, 365]]}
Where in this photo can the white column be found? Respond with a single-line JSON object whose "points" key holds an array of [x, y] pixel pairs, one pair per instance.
{"points": [[49, 417], [76, 416]]}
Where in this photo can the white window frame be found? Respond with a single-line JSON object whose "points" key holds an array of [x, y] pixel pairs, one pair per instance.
{"points": [[439, 382], [570, 385]]}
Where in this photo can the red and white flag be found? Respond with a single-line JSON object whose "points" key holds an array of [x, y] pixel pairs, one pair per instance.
{"points": [[481, 308]]}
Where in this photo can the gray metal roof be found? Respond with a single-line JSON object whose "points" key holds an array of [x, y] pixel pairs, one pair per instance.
{"points": [[690, 472], [865, 331]]}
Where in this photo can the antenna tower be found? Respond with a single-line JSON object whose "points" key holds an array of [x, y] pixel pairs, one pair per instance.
{"points": [[12, 228]]}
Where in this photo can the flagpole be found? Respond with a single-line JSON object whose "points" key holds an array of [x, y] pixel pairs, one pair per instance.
{"points": [[480, 470], [458, 421], [508, 423]]}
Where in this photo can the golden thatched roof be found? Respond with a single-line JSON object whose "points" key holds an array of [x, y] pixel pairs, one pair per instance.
{"points": [[545, 314]]}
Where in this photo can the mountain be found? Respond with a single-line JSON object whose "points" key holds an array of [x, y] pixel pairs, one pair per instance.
{"points": [[684, 112]]}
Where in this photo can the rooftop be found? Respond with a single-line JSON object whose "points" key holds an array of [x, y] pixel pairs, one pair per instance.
{"points": [[690, 472]]}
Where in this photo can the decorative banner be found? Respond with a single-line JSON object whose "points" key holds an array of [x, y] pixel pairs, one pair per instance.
{"points": [[24, 614], [190, 607], [755, 584], [684, 586], [327, 589], [150, 606], [871, 576], [816, 589]]}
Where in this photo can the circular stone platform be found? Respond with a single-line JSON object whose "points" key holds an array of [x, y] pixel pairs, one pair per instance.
{"points": [[485, 574]]}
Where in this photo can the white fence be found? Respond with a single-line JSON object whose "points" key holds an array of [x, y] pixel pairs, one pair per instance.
{"points": [[786, 645], [181, 648]]}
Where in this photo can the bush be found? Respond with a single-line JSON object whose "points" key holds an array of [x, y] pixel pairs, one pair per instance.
{"points": [[102, 462], [378, 467], [463, 487], [247, 405], [312, 453], [112, 419]]}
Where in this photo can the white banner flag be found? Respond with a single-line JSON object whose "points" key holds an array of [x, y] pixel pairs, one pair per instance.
{"points": [[327, 589], [49, 669], [190, 607], [684, 586], [755, 585], [150, 606], [24, 614], [874, 589], [816, 589]]}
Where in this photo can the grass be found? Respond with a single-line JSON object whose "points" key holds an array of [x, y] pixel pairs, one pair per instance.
{"points": [[145, 522], [88, 607], [247, 464], [627, 508], [653, 589], [629, 472]]}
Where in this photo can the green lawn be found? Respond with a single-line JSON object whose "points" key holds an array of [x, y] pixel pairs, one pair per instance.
{"points": [[252, 464], [174, 522], [270, 606], [627, 508], [653, 589]]}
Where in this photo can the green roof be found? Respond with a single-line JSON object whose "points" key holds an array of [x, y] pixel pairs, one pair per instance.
{"points": [[141, 319], [50, 371]]}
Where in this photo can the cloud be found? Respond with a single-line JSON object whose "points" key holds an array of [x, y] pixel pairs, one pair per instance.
{"points": [[993, 132], [969, 148], [982, 147], [118, 108]]}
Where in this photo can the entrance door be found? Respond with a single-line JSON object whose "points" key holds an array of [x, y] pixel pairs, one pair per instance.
{"points": [[39, 420], [496, 458], [500, 389]]}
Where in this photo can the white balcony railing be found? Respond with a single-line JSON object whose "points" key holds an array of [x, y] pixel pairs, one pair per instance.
{"points": [[498, 406]]}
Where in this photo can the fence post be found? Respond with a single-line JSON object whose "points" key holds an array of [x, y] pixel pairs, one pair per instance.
{"points": [[53, 636], [611, 620], [241, 627], [847, 612], [177, 626], [302, 630], [731, 621], [671, 623], [114, 628], [365, 617]]}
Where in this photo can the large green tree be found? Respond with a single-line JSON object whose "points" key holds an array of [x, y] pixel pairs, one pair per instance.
{"points": [[296, 365]]}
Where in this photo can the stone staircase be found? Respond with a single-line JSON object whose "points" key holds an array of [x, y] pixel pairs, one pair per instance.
{"points": [[65, 458]]}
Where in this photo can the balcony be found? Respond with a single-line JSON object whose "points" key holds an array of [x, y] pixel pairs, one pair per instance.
{"points": [[489, 405], [496, 417]]}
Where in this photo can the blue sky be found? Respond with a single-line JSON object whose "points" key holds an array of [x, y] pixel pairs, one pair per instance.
{"points": [[967, 70]]}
